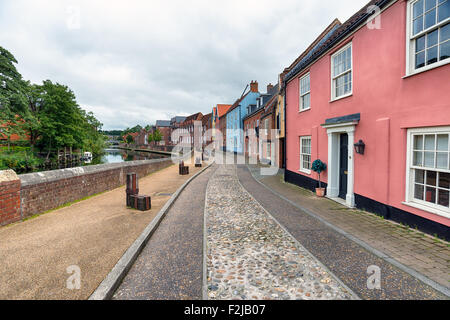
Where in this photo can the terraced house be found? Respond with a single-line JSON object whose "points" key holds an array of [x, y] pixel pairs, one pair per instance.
{"points": [[235, 116], [371, 99]]}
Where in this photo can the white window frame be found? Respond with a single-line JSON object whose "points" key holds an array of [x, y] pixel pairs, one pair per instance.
{"points": [[409, 190], [302, 169], [410, 43], [300, 104], [334, 77]]}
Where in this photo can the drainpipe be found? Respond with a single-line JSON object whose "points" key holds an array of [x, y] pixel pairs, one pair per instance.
{"points": [[285, 131]]}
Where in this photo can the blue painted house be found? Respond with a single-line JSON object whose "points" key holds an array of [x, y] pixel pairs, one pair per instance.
{"points": [[235, 119]]}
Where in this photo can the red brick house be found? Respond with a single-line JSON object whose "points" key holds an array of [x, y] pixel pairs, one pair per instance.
{"points": [[187, 129]]}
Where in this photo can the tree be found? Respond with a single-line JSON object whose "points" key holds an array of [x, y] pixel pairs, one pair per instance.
{"points": [[157, 136], [150, 138], [318, 166], [130, 138]]}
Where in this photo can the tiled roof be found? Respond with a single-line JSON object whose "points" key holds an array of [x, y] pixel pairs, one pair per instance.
{"points": [[206, 118], [334, 37], [222, 109], [178, 119], [195, 116], [163, 123]]}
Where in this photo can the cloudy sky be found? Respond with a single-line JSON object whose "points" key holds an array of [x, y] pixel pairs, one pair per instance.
{"points": [[135, 62]]}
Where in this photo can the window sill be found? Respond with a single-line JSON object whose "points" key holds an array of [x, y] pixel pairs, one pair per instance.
{"points": [[300, 111], [427, 68], [428, 209], [341, 97], [305, 171]]}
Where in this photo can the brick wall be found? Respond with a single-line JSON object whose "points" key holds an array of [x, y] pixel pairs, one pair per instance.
{"points": [[38, 192], [9, 197]]}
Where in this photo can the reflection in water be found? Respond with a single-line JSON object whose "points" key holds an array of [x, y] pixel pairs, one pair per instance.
{"points": [[118, 155]]}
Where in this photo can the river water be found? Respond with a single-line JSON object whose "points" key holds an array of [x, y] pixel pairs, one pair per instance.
{"points": [[113, 155]]}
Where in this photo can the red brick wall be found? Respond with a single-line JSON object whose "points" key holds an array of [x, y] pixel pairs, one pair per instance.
{"points": [[42, 194], [9, 201]]}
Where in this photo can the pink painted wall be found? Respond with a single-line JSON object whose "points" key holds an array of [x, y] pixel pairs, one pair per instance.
{"points": [[388, 105]]}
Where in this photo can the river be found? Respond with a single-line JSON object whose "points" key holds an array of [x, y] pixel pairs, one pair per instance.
{"points": [[113, 155]]}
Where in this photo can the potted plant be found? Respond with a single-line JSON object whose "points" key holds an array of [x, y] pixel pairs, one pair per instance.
{"points": [[318, 166]]}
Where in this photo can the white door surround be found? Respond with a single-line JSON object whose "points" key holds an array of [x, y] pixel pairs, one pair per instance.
{"points": [[334, 131]]}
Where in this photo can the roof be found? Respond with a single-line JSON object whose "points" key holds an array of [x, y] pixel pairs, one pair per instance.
{"points": [[222, 109], [266, 99], [334, 36], [178, 119], [195, 116], [163, 123], [206, 118]]}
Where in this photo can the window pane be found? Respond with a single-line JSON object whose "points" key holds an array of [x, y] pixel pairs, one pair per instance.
{"points": [[430, 18], [418, 142], [444, 50], [432, 38], [420, 59], [418, 25], [420, 44], [442, 160], [418, 158], [418, 9], [445, 32], [430, 195], [420, 176], [442, 142], [430, 4], [444, 11], [429, 142], [444, 180], [429, 159], [432, 55], [418, 191], [431, 178], [443, 198]]}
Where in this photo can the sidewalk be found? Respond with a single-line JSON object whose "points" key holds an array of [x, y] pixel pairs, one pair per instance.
{"points": [[92, 234], [345, 257]]}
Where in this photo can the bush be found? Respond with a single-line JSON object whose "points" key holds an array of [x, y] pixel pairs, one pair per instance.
{"points": [[19, 161]]}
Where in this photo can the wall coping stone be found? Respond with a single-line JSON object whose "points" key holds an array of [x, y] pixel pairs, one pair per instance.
{"points": [[8, 176], [54, 175]]}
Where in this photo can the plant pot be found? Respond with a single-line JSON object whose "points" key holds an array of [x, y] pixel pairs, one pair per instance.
{"points": [[320, 192]]}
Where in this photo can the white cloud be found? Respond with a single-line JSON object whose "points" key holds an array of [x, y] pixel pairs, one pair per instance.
{"points": [[137, 61]]}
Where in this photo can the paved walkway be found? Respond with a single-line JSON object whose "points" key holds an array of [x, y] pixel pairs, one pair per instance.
{"points": [[92, 234], [171, 265], [249, 256], [344, 257]]}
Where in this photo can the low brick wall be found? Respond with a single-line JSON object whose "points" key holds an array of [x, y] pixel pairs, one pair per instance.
{"points": [[41, 191], [9, 197]]}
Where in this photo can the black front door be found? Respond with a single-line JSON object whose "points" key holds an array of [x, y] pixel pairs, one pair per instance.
{"points": [[343, 165]]}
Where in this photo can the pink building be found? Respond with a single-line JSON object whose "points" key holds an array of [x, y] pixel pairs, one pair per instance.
{"points": [[384, 85]]}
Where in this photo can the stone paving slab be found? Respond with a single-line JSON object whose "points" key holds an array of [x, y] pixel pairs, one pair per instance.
{"points": [[345, 258], [249, 256], [170, 267]]}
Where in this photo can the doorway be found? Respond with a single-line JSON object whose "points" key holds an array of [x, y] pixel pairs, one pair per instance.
{"points": [[343, 165]]}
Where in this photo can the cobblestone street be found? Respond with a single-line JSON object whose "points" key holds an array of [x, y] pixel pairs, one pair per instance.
{"points": [[249, 256]]}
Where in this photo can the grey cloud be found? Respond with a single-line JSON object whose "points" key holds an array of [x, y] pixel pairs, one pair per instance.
{"points": [[136, 62]]}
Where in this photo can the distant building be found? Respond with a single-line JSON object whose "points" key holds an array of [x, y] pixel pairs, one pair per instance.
{"points": [[235, 116], [165, 128]]}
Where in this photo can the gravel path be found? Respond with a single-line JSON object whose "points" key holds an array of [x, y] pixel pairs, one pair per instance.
{"points": [[249, 256]]}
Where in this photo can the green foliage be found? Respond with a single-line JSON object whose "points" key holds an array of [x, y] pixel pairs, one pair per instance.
{"points": [[150, 138], [318, 166], [130, 138], [47, 114], [132, 130], [19, 160], [157, 136]]}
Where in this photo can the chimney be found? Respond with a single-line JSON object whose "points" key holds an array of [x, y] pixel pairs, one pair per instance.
{"points": [[254, 86], [269, 87]]}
